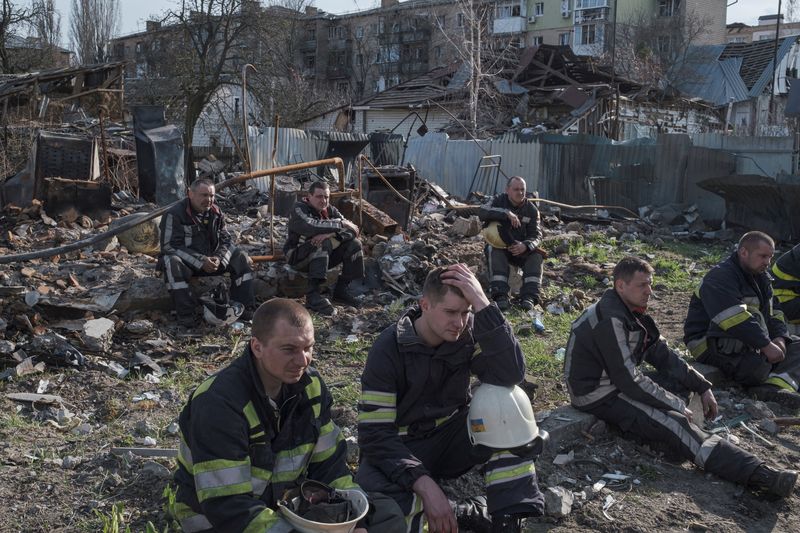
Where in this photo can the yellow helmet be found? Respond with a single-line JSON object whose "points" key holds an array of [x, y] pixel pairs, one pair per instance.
{"points": [[492, 235]]}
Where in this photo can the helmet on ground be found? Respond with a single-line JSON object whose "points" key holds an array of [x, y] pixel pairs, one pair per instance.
{"points": [[491, 233], [339, 512], [218, 310], [502, 418]]}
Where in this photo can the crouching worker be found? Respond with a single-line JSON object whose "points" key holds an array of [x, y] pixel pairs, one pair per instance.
{"points": [[258, 446], [607, 345], [320, 238], [415, 404], [195, 242]]}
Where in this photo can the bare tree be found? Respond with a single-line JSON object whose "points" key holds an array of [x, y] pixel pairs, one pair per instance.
{"points": [[655, 51], [46, 27], [91, 26], [13, 17], [208, 50]]}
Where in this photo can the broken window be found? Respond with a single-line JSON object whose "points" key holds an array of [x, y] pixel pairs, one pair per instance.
{"points": [[563, 39], [539, 9], [359, 32]]}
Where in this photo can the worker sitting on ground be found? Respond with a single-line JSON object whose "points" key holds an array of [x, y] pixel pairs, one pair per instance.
{"points": [[786, 284], [194, 242], [608, 344], [734, 324], [262, 427], [412, 422], [512, 229], [320, 238]]}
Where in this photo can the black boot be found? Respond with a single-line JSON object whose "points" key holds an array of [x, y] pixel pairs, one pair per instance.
{"points": [[771, 393], [501, 299], [342, 294], [472, 514], [776, 482], [315, 301]]}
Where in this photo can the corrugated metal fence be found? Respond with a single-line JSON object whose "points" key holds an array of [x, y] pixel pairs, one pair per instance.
{"points": [[579, 169]]}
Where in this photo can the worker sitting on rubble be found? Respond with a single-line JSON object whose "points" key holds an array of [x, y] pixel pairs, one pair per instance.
{"points": [[414, 403], [786, 284], [194, 242], [320, 238], [512, 230], [735, 324], [261, 427], [608, 344]]}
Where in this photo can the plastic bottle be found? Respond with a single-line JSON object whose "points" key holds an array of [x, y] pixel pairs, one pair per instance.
{"points": [[537, 322], [559, 355]]}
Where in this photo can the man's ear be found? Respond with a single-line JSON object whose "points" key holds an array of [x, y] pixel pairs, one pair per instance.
{"points": [[424, 304], [255, 347]]}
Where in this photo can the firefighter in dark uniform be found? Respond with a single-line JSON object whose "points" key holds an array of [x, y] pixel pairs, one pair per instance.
{"points": [[414, 403], [320, 237], [786, 284], [608, 344], [261, 426], [194, 242], [734, 323], [520, 233]]}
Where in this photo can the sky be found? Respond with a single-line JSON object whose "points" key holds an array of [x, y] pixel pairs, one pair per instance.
{"points": [[135, 12]]}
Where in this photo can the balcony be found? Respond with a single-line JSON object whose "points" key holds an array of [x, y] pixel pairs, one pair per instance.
{"points": [[590, 4], [591, 15], [509, 25]]}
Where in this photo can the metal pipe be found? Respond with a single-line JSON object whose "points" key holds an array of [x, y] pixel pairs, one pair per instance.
{"points": [[385, 181], [272, 187], [774, 67], [50, 252], [247, 166], [230, 131], [100, 111]]}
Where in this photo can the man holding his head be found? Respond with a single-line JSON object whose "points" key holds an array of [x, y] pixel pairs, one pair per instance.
{"points": [[320, 237], [520, 232], [195, 242], [412, 426], [734, 323], [608, 344], [260, 426]]}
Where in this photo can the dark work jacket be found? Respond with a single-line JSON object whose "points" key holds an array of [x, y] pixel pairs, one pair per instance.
{"points": [[183, 235], [731, 303], [409, 388], [606, 347], [786, 277], [305, 222], [529, 232], [239, 452]]}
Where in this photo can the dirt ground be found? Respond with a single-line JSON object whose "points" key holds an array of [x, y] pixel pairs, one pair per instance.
{"points": [[58, 472]]}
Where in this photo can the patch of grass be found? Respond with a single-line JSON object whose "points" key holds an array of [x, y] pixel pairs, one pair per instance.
{"points": [[347, 394], [670, 272], [13, 422], [592, 252]]}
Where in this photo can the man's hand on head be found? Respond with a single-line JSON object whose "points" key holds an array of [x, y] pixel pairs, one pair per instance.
{"points": [[460, 276]]}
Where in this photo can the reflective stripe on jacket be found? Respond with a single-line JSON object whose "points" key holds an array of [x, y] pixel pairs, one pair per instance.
{"points": [[239, 452], [730, 303]]}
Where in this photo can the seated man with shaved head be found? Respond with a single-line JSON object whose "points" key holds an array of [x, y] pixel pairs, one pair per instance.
{"points": [[260, 426], [736, 324]]}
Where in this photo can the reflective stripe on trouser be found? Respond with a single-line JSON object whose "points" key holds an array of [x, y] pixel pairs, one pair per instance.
{"points": [[750, 368], [447, 453], [177, 275], [673, 431], [499, 264], [316, 261]]}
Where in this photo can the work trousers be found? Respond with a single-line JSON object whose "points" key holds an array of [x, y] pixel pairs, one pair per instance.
{"points": [[177, 275], [499, 262], [748, 367], [791, 310], [317, 260], [510, 481], [673, 432]]}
